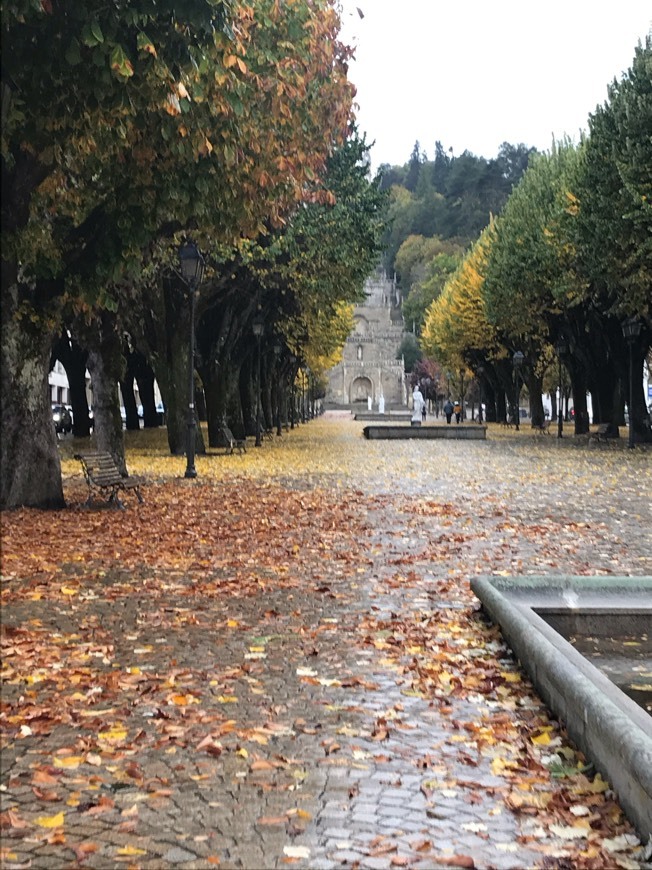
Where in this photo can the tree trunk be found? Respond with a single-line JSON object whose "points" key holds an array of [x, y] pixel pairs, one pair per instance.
{"points": [[106, 366], [215, 391], [489, 398], [247, 397], [31, 469], [144, 376], [267, 413], [174, 383], [173, 373], [578, 381], [73, 358], [534, 386], [638, 413], [132, 420], [200, 400]]}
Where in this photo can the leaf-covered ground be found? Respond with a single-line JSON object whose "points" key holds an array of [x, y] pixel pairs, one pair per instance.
{"points": [[281, 662]]}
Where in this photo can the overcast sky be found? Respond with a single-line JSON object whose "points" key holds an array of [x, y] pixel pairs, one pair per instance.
{"points": [[474, 74]]}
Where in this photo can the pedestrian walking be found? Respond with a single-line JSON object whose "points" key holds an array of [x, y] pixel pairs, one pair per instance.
{"points": [[458, 412], [448, 410], [423, 412]]}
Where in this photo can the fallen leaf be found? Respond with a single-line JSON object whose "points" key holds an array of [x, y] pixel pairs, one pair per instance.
{"points": [[51, 821], [621, 843], [569, 832], [68, 761], [131, 850], [296, 851]]}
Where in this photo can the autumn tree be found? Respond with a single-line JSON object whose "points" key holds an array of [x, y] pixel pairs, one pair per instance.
{"points": [[529, 281], [297, 277], [172, 130], [75, 80], [457, 331], [610, 228]]}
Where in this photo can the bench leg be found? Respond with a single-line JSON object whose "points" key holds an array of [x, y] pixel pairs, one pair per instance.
{"points": [[114, 498]]}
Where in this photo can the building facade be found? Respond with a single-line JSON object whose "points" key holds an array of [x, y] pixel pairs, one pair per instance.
{"points": [[370, 370]]}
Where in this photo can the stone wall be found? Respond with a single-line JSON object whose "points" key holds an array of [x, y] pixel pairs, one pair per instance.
{"points": [[369, 367]]}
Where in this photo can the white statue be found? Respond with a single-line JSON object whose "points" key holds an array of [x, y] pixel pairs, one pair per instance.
{"points": [[381, 405], [369, 403], [417, 405]]}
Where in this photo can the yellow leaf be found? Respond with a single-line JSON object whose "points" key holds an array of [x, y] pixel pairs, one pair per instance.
{"points": [[116, 733], [51, 821], [598, 785], [131, 850], [541, 739], [68, 761], [509, 677], [227, 699], [500, 765], [243, 752], [68, 590], [183, 700]]}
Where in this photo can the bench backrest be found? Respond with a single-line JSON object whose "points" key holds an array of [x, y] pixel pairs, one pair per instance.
{"points": [[100, 468], [226, 436]]}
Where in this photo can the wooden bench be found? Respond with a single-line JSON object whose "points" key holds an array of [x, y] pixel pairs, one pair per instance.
{"points": [[230, 442], [605, 433], [102, 473]]}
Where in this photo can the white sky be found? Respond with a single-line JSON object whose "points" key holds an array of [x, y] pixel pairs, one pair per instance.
{"points": [[476, 73]]}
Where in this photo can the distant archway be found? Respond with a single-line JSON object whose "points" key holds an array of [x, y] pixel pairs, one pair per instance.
{"points": [[361, 390]]}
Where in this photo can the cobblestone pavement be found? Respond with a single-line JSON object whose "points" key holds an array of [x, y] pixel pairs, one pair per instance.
{"points": [[283, 728]]}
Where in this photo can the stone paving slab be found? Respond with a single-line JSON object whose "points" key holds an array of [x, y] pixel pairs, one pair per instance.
{"points": [[312, 750]]}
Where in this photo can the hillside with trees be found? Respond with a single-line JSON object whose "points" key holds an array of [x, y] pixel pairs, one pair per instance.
{"points": [[438, 208]]}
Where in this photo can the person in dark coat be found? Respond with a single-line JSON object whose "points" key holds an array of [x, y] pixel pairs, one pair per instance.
{"points": [[448, 410]]}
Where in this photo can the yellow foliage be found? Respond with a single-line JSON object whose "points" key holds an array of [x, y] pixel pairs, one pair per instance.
{"points": [[457, 320]]}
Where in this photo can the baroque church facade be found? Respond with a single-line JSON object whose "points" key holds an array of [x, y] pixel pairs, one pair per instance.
{"points": [[369, 369]]}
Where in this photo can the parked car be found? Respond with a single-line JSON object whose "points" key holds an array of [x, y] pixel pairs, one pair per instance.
{"points": [[62, 418]]}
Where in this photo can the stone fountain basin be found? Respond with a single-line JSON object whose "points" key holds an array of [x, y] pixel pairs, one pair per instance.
{"points": [[534, 614]]}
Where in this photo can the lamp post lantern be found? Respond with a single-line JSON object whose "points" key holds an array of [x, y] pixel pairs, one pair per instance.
{"points": [[517, 362], [561, 348], [257, 329], [631, 331], [191, 264]]}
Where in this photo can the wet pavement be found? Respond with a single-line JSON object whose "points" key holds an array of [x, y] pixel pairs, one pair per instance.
{"points": [[347, 705]]}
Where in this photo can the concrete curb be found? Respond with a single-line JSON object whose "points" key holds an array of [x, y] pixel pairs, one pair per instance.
{"points": [[468, 432], [607, 726]]}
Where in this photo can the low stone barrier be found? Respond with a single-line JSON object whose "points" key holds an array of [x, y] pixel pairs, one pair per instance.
{"points": [[463, 432], [607, 725]]}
